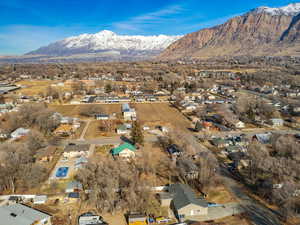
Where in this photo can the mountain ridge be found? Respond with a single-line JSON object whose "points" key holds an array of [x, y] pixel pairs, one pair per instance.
{"points": [[261, 31], [106, 41]]}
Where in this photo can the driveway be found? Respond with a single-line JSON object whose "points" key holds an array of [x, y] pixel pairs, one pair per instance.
{"points": [[85, 130], [219, 212]]}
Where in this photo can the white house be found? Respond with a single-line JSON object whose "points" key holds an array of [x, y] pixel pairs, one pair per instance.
{"points": [[276, 122], [128, 113], [101, 117], [20, 132], [40, 199], [240, 124]]}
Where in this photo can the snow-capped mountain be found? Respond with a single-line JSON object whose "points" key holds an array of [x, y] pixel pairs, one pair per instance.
{"points": [[107, 42], [289, 10]]}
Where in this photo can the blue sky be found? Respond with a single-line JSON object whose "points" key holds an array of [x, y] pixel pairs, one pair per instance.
{"points": [[26, 25]]}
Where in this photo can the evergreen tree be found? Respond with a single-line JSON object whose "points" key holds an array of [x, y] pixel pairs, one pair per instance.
{"points": [[198, 126], [108, 88], [136, 134]]}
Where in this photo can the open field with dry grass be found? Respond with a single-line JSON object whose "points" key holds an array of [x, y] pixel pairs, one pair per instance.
{"points": [[34, 87], [149, 113], [74, 110], [94, 131], [161, 113]]}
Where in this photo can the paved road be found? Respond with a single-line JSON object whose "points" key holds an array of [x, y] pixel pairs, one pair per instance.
{"points": [[258, 213], [249, 132], [219, 212]]}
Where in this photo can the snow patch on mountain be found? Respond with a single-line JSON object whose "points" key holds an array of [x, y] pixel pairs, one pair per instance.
{"points": [[289, 10]]}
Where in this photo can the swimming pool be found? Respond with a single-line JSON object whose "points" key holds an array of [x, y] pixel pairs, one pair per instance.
{"points": [[62, 171]]}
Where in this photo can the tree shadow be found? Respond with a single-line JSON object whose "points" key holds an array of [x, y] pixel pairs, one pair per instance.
{"points": [[125, 139]]}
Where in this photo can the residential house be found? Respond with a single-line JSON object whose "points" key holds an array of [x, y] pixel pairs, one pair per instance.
{"points": [[40, 199], [125, 150], [20, 132], [264, 138], [101, 117], [122, 129], [90, 218], [64, 130], [74, 186], [66, 120], [239, 124], [276, 122], [80, 162], [137, 219], [73, 150], [185, 203], [240, 141], [174, 150], [220, 142], [73, 196], [18, 214], [128, 113]]}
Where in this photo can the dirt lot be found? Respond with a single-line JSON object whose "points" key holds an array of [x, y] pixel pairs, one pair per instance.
{"points": [[161, 113]]}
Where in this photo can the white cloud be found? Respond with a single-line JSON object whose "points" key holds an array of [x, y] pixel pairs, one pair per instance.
{"points": [[138, 23]]}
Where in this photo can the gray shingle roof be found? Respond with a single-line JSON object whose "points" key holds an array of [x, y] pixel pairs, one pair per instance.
{"points": [[18, 214], [184, 195]]}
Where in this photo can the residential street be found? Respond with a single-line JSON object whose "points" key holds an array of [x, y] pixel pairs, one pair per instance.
{"points": [[258, 213], [248, 133]]}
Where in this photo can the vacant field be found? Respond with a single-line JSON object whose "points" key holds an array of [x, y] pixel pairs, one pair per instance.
{"points": [[94, 131], [74, 110], [34, 87], [163, 114], [147, 113]]}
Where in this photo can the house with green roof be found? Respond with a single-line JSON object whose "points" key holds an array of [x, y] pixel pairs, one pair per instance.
{"points": [[125, 150]]}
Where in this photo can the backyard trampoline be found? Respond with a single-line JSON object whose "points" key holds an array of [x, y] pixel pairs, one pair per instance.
{"points": [[62, 172]]}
